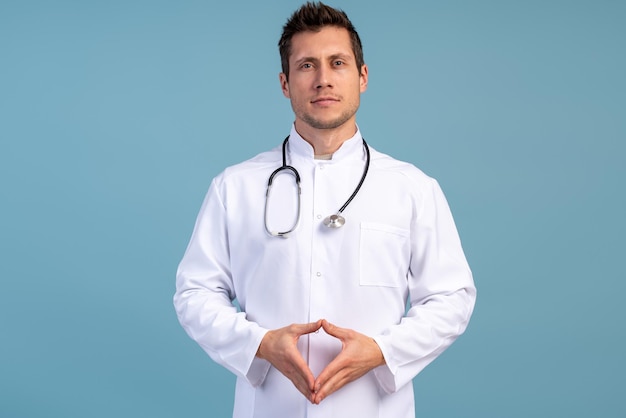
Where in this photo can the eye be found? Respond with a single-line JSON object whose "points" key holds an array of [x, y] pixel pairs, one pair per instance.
{"points": [[306, 66], [338, 62]]}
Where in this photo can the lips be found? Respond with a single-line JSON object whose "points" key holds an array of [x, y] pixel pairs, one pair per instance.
{"points": [[325, 100]]}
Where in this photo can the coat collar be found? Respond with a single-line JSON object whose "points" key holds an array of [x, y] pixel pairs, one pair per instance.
{"points": [[352, 148]]}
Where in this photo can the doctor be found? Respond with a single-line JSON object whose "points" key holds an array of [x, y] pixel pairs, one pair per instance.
{"points": [[323, 329]]}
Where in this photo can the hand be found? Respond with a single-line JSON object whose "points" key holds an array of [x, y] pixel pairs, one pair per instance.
{"points": [[359, 354], [279, 348]]}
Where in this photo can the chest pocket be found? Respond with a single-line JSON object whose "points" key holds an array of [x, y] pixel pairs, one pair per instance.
{"points": [[384, 255]]}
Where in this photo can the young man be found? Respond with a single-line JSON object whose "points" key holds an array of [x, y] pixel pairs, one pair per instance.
{"points": [[323, 329]]}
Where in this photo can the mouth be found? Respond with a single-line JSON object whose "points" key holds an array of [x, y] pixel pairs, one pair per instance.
{"points": [[325, 100]]}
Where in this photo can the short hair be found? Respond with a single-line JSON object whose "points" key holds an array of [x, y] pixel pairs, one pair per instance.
{"points": [[313, 16]]}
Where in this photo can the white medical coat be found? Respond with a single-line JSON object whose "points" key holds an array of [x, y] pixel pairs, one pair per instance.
{"points": [[399, 242]]}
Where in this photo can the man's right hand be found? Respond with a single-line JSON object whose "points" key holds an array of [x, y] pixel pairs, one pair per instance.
{"points": [[279, 348]]}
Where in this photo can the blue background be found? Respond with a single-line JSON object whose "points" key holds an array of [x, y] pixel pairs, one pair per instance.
{"points": [[114, 117]]}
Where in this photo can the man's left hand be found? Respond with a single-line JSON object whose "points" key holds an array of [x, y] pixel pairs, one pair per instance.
{"points": [[359, 354]]}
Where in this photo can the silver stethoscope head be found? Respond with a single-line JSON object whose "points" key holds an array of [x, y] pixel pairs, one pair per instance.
{"points": [[334, 221]]}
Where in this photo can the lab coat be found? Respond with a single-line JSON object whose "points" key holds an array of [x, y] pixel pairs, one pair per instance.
{"points": [[399, 243]]}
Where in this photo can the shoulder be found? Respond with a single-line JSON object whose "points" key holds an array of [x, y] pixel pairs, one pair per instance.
{"points": [[383, 164], [257, 165], [403, 178]]}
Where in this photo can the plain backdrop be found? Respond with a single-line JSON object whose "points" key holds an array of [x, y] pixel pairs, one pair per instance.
{"points": [[115, 115]]}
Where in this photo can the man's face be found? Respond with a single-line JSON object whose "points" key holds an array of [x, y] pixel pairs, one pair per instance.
{"points": [[324, 82]]}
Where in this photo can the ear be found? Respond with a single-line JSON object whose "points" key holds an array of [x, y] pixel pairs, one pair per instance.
{"points": [[284, 84], [363, 78]]}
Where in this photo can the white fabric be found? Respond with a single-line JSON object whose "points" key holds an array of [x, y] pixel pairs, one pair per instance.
{"points": [[399, 242]]}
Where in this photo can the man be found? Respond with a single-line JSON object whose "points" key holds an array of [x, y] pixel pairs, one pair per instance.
{"points": [[323, 329]]}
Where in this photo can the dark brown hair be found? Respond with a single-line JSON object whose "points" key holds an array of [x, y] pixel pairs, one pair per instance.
{"points": [[313, 16]]}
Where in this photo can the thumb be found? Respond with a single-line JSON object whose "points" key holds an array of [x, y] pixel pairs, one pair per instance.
{"points": [[309, 328], [333, 330]]}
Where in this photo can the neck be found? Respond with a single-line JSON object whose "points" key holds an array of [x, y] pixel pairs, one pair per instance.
{"points": [[325, 141]]}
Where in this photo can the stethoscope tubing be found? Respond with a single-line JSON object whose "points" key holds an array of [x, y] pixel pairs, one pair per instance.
{"points": [[358, 187], [294, 172]]}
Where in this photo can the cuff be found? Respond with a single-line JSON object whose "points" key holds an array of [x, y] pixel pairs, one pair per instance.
{"points": [[385, 374], [257, 371]]}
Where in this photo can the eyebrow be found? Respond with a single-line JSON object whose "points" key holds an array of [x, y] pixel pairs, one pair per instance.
{"points": [[343, 57]]}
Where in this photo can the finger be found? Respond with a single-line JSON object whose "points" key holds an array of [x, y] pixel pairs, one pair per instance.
{"points": [[300, 375], [301, 329], [302, 387], [334, 383], [303, 390], [333, 369], [334, 330], [293, 364]]}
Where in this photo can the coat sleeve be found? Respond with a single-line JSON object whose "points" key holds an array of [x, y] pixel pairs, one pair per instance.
{"points": [[205, 293], [441, 295]]}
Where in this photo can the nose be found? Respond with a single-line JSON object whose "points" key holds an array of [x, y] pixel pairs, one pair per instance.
{"points": [[324, 77]]}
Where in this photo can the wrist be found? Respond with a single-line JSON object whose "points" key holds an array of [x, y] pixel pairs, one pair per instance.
{"points": [[260, 352]]}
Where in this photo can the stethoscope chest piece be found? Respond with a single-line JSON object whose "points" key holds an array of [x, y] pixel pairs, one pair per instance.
{"points": [[334, 221]]}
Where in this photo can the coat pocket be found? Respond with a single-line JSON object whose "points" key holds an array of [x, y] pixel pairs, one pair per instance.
{"points": [[384, 255]]}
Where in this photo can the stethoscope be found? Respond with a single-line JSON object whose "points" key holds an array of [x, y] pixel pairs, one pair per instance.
{"points": [[331, 221]]}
